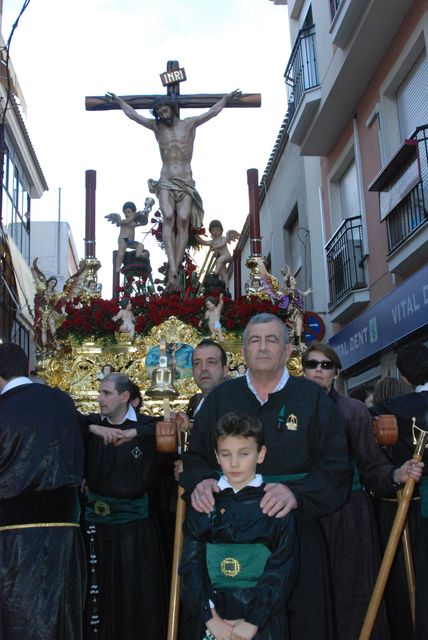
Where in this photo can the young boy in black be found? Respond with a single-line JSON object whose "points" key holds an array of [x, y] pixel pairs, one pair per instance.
{"points": [[238, 566]]}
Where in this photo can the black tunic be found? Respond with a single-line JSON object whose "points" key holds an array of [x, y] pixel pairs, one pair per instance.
{"points": [[317, 447], [43, 572], [129, 569], [237, 518]]}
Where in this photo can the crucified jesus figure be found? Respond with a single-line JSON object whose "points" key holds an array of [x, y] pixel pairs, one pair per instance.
{"points": [[180, 203]]}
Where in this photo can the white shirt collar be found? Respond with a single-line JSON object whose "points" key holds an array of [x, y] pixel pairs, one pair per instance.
{"points": [[130, 415], [421, 387], [16, 382], [224, 483], [281, 384]]}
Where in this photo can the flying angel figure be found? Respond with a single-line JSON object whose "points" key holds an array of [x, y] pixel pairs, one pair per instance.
{"points": [[49, 304], [132, 219], [218, 245]]}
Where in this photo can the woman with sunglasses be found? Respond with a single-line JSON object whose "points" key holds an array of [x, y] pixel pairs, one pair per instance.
{"points": [[351, 532]]}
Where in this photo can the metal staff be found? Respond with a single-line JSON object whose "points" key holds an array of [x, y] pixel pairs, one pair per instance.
{"points": [[167, 434], [394, 538]]}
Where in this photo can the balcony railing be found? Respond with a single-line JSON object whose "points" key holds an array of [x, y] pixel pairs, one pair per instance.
{"points": [[411, 213], [344, 253], [301, 73]]}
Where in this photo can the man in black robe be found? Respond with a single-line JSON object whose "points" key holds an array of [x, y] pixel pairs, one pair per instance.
{"points": [[307, 466], [412, 363], [126, 596], [209, 368], [42, 556]]}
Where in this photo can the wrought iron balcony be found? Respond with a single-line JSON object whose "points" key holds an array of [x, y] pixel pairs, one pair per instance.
{"points": [[301, 73], [411, 213], [344, 253]]}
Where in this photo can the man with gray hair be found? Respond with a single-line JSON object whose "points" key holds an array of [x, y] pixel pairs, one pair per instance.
{"points": [[306, 468]]}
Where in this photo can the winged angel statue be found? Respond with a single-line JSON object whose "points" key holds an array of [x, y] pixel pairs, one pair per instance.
{"points": [[49, 304], [288, 297]]}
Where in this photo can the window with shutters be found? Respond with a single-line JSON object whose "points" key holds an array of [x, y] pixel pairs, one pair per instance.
{"points": [[403, 181], [404, 96], [348, 188], [344, 250], [412, 98], [344, 190], [292, 243]]}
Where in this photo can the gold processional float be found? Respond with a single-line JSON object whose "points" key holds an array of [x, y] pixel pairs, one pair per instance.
{"points": [[73, 361]]}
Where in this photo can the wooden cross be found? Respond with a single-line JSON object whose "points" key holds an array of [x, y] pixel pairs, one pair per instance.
{"points": [[195, 101]]}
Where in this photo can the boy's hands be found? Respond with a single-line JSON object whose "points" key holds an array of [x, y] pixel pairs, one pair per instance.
{"points": [[218, 627], [243, 631], [230, 629]]}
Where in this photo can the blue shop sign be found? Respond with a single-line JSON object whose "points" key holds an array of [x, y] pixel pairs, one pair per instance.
{"points": [[398, 314]]}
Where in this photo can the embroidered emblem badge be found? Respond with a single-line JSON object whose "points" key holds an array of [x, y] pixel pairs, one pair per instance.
{"points": [[230, 567], [101, 508], [136, 452]]}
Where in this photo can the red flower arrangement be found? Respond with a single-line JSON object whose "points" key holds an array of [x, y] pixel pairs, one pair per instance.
{"points": [[95, 318], [237, 313]]}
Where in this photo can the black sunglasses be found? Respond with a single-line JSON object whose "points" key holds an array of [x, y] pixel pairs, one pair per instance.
{"points": [[313, 364]]}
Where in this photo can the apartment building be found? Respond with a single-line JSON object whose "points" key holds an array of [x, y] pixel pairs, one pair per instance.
{"points": [[344, 195], [22, 180]]}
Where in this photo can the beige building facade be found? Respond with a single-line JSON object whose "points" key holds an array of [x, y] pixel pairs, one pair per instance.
{"points": [[344, 198]]}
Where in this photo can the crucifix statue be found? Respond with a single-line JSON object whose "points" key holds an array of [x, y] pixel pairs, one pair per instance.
{"points": [[180, 203]]}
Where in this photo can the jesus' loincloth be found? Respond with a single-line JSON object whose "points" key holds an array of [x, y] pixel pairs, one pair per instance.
{"points": [[178, 188]]}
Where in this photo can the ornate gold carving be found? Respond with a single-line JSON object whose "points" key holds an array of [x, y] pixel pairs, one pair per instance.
{"points": [[173, 330], [73, 366], [294, 364]]}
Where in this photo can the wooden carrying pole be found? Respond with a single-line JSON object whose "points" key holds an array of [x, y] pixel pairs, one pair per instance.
{"points": [[410, 570], [174, 598], [391, 548]]}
